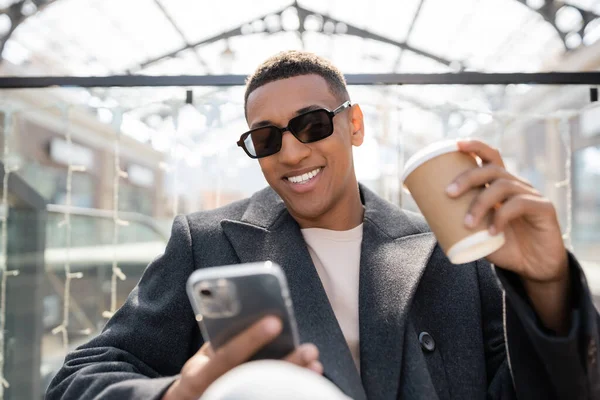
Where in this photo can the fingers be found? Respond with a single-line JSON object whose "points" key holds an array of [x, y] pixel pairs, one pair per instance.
{"points": [[476, 177], [303, 355], [244, 345], [233, 353], [307, 356], [521, 206], [206, 350], [488, 154], [498, 192], [316, 366]]}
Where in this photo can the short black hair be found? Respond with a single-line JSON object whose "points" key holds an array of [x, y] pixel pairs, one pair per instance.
{"points": [[289, 64]]}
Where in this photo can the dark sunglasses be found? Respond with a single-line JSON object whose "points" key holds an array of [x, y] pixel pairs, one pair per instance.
{"points": [[308, 127]]}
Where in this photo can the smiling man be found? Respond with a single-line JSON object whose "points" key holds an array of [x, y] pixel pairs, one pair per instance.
{"points": [[316, 182], [381, 311]]}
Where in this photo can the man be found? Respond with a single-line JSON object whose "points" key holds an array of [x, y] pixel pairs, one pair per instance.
{"points": [[388, 316]]}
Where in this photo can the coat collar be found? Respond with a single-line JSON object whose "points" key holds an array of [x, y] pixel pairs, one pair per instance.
{"points": [[394, 254], [266, 209]]}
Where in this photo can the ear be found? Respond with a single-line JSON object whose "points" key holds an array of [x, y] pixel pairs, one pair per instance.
{"points": [[358, 125]]}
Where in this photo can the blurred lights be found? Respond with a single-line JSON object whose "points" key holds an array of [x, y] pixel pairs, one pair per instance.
{"points": [[329, 27], [517, 90], [189, 121], [455, 66], [95, 102], [455, 120], [105, 115], [273, 23], [258, 26], [591, 160], [289, 19], [573, 40], [154, 121], [136, 129], [313, 23], [341, 28], [536, 4], [247, 29], [568, 19], [484, 118], [592, 32], [15, 53], [162, 137], [6, 3], [161, 142], [5, 24], [28, 8]]}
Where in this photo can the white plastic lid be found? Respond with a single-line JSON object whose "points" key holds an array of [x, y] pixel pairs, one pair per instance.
{"points": [[474, 247], [426, 154]]}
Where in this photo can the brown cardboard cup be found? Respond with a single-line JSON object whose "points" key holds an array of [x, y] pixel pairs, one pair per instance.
{"points": [[426, 176]]}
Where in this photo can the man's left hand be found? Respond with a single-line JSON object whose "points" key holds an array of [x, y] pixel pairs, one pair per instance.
{"points": [[534, 247]]}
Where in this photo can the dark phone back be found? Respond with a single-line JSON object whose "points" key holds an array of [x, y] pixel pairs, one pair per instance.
{"points": [[227, 300]]}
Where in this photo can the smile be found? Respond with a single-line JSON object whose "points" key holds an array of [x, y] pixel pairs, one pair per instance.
{"points": [[304, 178]]}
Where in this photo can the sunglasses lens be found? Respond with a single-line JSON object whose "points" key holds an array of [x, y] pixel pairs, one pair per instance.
{"points": [[263, 142], [311, 126]]}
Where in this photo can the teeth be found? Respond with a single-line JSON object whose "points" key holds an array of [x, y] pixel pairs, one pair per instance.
{"points": [[304, 178]]}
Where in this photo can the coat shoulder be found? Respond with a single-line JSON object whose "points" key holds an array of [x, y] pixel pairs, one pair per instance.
{"points": [[211, 219], [417, 220], [208, 241]]}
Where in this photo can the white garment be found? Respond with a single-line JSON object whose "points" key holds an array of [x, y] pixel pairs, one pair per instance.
{"points": [[336, 255], [272, 380]]}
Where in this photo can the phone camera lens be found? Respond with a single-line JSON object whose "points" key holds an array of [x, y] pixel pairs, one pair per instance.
{"points": [[206, 292]]}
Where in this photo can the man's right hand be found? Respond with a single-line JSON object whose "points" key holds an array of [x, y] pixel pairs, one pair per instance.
{"points": [[206, 366]]}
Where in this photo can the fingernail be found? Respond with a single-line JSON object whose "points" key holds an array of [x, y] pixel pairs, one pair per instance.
{"points": [[469, 220], [272, 326], [309, 353], [452, 189], [317, 367], [492, 230]]}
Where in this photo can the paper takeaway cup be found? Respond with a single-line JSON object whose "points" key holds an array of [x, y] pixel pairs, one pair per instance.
{"points": [[426, 176]]}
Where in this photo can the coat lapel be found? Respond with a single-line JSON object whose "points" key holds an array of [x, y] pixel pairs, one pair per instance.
{"points": [[268, 232], [395, 251], [394, 254]]}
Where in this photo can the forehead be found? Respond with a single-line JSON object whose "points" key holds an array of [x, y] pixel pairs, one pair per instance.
{"points": [[279, 100]]}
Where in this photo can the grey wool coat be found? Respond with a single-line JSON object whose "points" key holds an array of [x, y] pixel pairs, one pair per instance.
{"points": [[487, 341]]}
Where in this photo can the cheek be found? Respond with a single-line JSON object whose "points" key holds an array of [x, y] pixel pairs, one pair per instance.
{"points": [[338, 149], [268, 168]]}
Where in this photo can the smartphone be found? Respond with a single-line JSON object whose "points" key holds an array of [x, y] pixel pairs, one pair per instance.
{"points": [[228, 299]]}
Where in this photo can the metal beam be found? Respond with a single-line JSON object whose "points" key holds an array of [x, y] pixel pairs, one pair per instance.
{"points": [[15, 13], [302, 13], [223, 35], [462, 78], [179, 31], [365, 34], [408, 33], [549, 10]]}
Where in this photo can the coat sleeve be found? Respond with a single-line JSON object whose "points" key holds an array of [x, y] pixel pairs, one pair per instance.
{"points": [[145, 344], [525, 360]]}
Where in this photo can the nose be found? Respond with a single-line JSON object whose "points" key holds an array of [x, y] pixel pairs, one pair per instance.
{"points": [[292, 150]]}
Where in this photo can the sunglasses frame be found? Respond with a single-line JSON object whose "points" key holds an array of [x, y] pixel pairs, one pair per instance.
{"points": [[281, 131]]}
